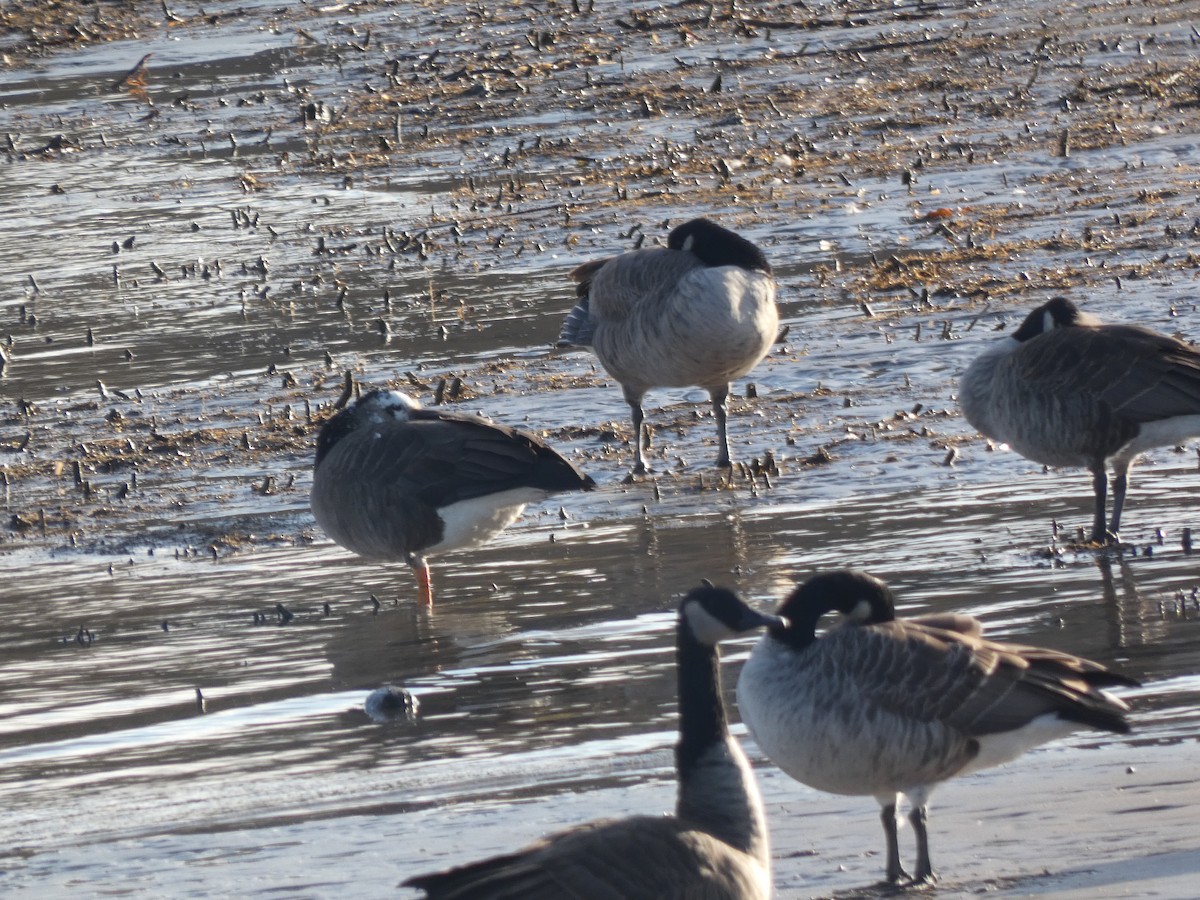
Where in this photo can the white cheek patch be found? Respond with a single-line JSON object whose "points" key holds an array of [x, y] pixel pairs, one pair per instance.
{"points": [[707, 628], [397, 404], [860, 613]]}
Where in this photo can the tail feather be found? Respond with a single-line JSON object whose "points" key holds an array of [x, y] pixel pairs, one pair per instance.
{"points": [[578, 327], [1080, 696]]}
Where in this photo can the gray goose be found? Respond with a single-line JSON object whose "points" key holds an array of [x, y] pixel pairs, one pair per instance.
{"points": [[1068, 390], [395, 482], [714, 847], [883, 706], [700, 312]]}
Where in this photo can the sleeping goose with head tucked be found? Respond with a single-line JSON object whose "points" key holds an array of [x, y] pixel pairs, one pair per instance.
{"points": [[396, 482], [1065, 389], [700, 312], [884, 707]]}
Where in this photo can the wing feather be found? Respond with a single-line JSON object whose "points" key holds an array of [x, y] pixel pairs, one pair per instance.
{"points": [[976, 686], [640, 858], [1140, 374]]}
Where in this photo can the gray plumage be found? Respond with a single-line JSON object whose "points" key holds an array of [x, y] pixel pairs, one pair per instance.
{"points": [[395, 482], [883, 706], [1068, 390], [700, 312], [715, 847]]}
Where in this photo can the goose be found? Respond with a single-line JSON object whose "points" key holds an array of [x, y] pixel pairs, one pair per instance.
{"points": [[1066, 389], [394, 481], [699, 312], [889, 707], [715, 846]]}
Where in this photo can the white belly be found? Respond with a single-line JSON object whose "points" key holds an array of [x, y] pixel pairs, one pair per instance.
{"points": [[471, 522]]}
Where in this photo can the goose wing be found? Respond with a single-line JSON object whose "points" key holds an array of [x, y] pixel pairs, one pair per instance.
{"points": [[613, 288], [959, 622], [641, 858], [980, 687], [1141, 374], [441, 458]]}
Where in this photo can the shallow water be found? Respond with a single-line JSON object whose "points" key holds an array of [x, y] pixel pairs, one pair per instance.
{"points": [[545, 669]]}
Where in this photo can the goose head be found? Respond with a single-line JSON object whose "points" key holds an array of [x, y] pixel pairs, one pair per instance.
{"points": [[1058, 312], [372, 408], [860, 598], [713, 614], [715, 246]]}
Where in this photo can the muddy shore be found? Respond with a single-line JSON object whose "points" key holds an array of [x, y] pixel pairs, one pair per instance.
{"points": [[935, 166]]}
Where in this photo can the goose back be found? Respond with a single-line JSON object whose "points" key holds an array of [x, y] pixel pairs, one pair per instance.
{"points": [[699, 312], [638, 858], [661, 318]]}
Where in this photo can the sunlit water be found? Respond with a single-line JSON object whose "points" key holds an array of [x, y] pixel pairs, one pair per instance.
{"points": [[544, 671]]}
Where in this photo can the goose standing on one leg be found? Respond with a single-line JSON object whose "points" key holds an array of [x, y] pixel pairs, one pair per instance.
{"points": [[886, 706], [394, 481], [700, 312], [715, 846], [1067, 390]]}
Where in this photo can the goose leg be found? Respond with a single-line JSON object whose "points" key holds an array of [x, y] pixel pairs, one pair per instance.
{"points": [[424, 583], [720, 410], [895, 871], [640, 467], [1100, 488], [919, 818], [1120, 482]]}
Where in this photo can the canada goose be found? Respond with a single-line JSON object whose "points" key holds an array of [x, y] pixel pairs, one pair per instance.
{"points": [[886, 706], [1068, 390], [715, 846], [701, 312], [393, 481]]}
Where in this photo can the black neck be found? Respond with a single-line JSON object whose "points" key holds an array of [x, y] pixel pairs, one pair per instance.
{"points": [[717, 791], [801, 629], [864, 598], [701, 712]]}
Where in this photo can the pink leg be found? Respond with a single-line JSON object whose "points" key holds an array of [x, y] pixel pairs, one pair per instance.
{"points": [[424, 585]]}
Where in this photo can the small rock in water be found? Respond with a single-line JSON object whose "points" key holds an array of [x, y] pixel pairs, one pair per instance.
{"points": [[389, 703]]}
